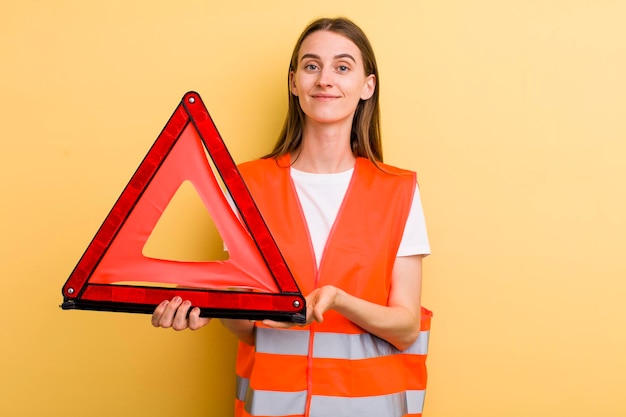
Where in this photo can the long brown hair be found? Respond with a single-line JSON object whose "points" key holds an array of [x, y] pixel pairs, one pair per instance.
{"points": [[365, 136]]}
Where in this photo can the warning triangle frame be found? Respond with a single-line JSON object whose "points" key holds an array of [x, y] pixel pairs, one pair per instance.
{"points": [[287, 304]]}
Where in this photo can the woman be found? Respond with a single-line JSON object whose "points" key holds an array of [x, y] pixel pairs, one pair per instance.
{"points": [[352, 231]]}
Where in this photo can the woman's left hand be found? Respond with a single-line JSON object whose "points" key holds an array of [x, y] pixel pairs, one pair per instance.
{"points": [[398, 322], [318, 302]]}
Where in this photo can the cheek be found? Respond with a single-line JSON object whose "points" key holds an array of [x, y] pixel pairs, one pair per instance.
{"points": [[358, 91], [299, 85]]}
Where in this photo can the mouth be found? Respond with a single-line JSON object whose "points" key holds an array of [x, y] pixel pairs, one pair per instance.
{"points": [[324, 97]]}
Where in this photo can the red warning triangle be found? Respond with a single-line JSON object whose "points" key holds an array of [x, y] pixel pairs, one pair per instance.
{"points": [[265, 286]]}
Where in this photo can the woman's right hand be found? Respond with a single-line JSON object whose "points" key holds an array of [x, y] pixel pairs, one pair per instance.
{"points": [[173, 313]]}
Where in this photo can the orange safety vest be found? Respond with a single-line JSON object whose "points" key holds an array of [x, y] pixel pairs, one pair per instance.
{"points": [[334, 368]]}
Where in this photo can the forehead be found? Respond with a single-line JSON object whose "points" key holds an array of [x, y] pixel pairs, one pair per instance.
{"points": [[324, 43]]}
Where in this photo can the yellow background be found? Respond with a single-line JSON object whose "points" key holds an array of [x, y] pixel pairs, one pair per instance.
{"points": [[512, 112]]}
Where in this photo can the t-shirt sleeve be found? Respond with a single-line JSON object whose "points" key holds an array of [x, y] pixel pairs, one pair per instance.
{"points": [[415, 237]]}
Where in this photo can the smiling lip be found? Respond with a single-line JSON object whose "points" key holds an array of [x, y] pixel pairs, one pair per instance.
{"points": [[324, 97]]}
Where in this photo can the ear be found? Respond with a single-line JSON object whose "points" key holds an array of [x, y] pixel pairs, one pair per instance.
{"points": [[369, 87], [292, 83]]}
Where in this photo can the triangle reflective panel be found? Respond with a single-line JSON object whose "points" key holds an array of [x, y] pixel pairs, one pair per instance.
{"points": [[115, 275]]}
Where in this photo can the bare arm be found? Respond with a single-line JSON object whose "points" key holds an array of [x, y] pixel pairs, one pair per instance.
{"points": [[243, 329], [398, 322]]}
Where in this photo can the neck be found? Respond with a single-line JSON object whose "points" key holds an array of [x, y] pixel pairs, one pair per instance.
{"points": [[324, 150]]}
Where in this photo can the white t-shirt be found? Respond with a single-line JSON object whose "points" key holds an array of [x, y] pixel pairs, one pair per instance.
{"points": [[321, 196]]}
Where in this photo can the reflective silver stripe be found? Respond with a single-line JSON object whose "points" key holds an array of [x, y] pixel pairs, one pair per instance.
{"points": [[274, 403], [282, 342], [333, 345], [242, 387], [420, 346], [392, 405], [415, 401], [362, 346]]}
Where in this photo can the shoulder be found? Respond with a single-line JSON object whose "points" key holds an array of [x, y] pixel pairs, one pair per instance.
{"points": [[259, 167], [263, 175], [256, 164], [386, 172]]}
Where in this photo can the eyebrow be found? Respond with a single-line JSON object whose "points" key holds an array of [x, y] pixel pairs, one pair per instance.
{"points": [[340, 56]]}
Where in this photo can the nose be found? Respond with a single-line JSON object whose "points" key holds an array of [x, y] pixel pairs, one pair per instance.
{"points": [[325, 78]]}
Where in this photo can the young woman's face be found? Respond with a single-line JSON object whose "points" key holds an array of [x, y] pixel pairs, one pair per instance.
{"points": [[330, 78]]}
